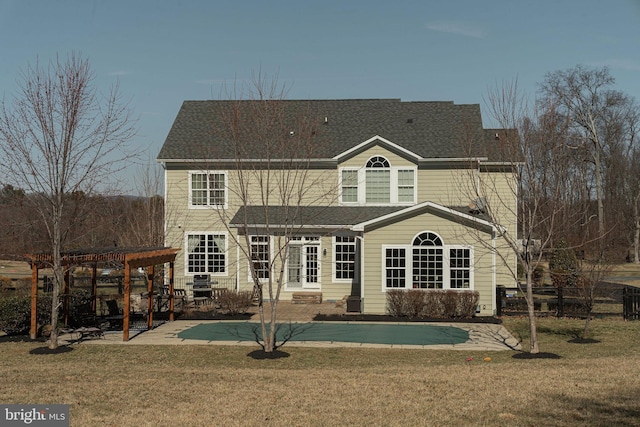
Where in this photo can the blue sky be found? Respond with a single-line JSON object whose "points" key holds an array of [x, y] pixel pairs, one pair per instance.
{"points": [[164, 52]]}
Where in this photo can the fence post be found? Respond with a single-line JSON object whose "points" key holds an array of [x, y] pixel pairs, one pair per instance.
{"points": [[560, 301]]}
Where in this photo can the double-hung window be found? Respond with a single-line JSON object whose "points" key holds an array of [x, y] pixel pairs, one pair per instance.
{"points": [[208, 189], [349, 186], [261, 256], [345, 257], [206, 253]]}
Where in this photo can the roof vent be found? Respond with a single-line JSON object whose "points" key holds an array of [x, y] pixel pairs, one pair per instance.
{"points": [[326, 120], [409, 120], [497, 136], [291, 133]]}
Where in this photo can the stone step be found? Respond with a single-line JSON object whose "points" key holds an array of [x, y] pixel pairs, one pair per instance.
{"points": [[306, 298]]}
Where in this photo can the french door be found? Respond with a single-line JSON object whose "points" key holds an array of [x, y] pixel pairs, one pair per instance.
{"points": [[303, 264]]}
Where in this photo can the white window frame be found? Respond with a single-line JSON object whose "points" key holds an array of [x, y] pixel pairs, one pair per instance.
{"points": [[269, 251], [342, 185], [334, 263], [304, 242], [206, 234], [470, 268], [393, 184], [446, 279], [208, 205]]}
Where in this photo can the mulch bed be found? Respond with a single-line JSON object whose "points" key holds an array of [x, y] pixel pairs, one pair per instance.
{"points": [[541, 355], [16, 338], [46, 350], [262, 355]]}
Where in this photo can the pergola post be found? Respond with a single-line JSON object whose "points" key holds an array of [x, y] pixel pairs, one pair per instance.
{"points": [[66, 296], [150, 298], [34, 301], [127, 301], [94, 288], [171, 292]]}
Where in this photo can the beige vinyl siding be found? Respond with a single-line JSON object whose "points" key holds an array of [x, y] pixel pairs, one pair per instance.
{"points": [[442, 186], [501, 196], [402, 233], [360, 159]]}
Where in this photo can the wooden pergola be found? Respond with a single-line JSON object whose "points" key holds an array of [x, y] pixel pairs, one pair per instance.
{"points": [[129, 258]]}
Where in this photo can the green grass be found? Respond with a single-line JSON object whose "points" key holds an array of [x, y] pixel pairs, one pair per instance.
{"points": [[129, 385]]}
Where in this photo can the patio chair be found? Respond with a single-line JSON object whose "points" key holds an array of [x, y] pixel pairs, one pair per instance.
{"points": [[115, 316]]}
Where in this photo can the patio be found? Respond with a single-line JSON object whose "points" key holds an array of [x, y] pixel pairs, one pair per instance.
{"points": [[481, 336]]}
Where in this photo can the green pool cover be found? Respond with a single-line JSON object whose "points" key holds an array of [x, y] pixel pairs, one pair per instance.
{"points": [[370, 333]]}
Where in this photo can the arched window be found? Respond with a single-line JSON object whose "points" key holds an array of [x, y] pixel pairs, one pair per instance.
{"points": [[378, 180], [428, 261], [378, 162]]}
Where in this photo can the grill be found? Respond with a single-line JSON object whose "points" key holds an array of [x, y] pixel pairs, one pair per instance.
{"points": [[201, 286]]}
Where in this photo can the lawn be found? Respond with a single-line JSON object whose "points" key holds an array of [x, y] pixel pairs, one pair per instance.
{"points": [[129, 385]]}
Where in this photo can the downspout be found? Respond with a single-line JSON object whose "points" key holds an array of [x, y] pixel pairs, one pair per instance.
{"points": [[494, 283], [237, 239], [361, 240]]}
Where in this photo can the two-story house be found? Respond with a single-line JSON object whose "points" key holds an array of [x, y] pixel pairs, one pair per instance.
{"points": [[368, 195]]}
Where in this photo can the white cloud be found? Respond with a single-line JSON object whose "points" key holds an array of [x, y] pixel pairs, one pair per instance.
{"points": [[459, 28]]}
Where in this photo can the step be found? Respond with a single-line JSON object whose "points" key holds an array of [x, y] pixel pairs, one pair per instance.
{"points": [[306, 298]]}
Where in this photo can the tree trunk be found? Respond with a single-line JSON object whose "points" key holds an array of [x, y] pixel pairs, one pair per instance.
{"points": [[58, 274], [533, 331], [585, 333], [600, 197], [636, 234]]}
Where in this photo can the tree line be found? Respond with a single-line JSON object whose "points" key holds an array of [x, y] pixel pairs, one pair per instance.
{"points": [[89, 221]]}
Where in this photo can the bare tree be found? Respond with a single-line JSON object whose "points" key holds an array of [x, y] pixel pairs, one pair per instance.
{"points": [[631, 184], [533, 158], [602, 122], [59, 136], [271, 184], [144, 214], [588, 283]]}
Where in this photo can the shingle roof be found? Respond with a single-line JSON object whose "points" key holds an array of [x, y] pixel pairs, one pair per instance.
{"points": [[320, 216], [428, 129]]}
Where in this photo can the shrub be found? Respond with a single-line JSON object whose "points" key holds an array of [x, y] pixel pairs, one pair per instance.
{"points": [[414, 303], [467, 303], [236, 302], [395, 302], [563, 265], [432, 303], [79, 307], [449, 303], [15, 313], [433, 306]]}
